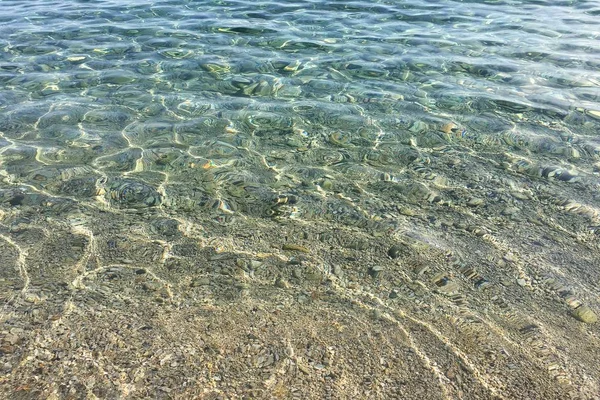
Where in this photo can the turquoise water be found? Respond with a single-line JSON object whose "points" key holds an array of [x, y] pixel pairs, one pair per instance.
{"points": [[440, 157]]}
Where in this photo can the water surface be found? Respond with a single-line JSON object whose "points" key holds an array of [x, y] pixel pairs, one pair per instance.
{"points": [[340, 192]]}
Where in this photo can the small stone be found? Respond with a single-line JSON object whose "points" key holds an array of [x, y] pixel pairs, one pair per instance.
{"points": [[303, 368], [453, 162], [420, 269], [447, 287], [449, 127], [395, 251], [242, 263], [75, 58], [585, 314], [294, 261], [375, 271], [200, 282], [522, 282], [506, 282], [337, 271], [520, 195], [593, 113], [295, 247], [407, 211], [327, 184], [12, 339], [475, 202], [418, 126], [313, 275], [510, 211], [281, 283], [573, 302], [358, 244], [151, 286], [451, 374]]}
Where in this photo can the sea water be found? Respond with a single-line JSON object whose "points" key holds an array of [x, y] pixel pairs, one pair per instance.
{"points": [[276, 199]]}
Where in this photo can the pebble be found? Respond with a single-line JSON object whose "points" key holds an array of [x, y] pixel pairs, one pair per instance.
{"points": [[12, 339], [327, 184], [152, 286], [418, 126], [573, 302], [337, 271], [303, 368], [520, 195], [407, 211], [375, 271], [449, 127], [313, 275], [358, 244], [294, 261], [420, 269], [453, 162], [585, 314], [395, 251], [281, 283], [522, 282], [200, 282], [475, 202], [295, 247], [510, 210], [75, 58], [594, 113]]}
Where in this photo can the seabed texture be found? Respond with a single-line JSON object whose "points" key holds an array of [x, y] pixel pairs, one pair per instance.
{"points": [[309, 200]]}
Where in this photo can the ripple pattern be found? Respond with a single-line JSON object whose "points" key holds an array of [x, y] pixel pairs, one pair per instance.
{"points": [[300, 199]]}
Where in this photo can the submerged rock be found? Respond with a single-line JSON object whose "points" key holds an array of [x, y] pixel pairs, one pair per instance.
{"points": [[585, 314], [375, 271], [396, 251], [130, 193]]}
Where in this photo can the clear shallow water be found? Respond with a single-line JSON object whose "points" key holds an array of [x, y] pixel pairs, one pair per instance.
{"points": [[189, 139]]}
